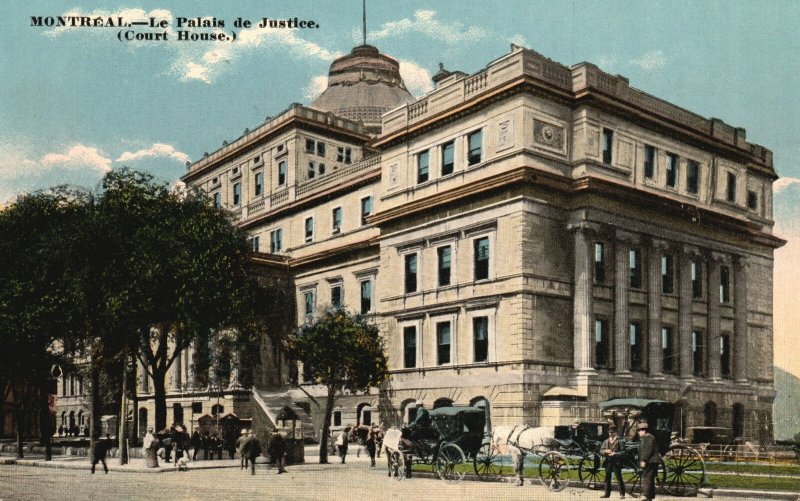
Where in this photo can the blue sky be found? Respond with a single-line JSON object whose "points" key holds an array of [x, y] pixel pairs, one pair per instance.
{"points": [[75, 103]]}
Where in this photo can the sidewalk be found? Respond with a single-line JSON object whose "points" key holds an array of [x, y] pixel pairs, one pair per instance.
{"points": [[135, 465]]}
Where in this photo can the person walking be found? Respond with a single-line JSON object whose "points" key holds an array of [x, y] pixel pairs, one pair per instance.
{"points": [[277, 450], [196, 443], [611, 450], [342, 441], [150, 445], [252, 449], [100, 451], [372, 442], [239, 443], [205, 441], [649, 459]]}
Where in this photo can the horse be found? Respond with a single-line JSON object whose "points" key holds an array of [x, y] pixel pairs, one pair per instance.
{"points": [[521, 440]]}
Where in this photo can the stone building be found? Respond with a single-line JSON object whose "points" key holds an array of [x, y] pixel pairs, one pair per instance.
{"points": [[533, 238]]}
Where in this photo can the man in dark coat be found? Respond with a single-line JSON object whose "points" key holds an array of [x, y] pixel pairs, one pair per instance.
{"points": [[196, 443], [612, 450], [277, 450], [251, 448], [100, 451], [649, 459]]}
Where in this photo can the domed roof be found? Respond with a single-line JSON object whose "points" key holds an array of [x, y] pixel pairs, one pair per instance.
{"points": [[362, 86]]}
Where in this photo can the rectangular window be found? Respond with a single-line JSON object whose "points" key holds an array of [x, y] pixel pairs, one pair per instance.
{"points": [[635, 269], [275, 241], [672, 169], [254, 244], [608, 145], [409, 347], [752, 200], [366, 296], [697, 279], [444, 254], [237, 193], [448, 157], [281, 172], [312, 170], [649, 161], [599, 262], [321, 148], [637, 361], [309, 229], [308, 299], [259, 183], [692, 177], [410, 273], [336, 218], [343, 154], [667, 274], [731, 188], [366, 209], [337, 418], [481, 258], [423, 160], [724, 284], [480, 338], [310, 143], [443, 343], [725, 355], [475, 145], [336, 296], [697, 353], [321, 169], [217, 199], [601, 343], [667, 358]]}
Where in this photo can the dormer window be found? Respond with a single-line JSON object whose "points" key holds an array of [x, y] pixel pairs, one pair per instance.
{"points": [[343, 154]]}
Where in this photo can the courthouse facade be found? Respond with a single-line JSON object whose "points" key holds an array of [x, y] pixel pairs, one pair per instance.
{"points": [[533, 238]]}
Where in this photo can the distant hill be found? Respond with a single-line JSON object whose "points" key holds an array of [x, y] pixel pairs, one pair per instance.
{"points": [[787, 405]]}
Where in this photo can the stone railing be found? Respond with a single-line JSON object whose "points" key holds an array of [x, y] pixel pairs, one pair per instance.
{"points": [[256, 206], [278, 197], [338, 174]]}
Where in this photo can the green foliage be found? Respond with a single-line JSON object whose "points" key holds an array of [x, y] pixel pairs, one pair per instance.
{"points": [[341, 351]]}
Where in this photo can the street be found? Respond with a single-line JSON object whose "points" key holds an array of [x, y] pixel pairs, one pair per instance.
{"points": [[304, 482]]}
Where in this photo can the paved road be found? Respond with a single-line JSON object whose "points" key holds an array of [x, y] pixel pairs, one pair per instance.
{"points": [[313, 482]]}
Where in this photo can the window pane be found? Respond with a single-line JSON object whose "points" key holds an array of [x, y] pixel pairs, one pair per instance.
{"points": [[672, 170], [337, 218], [448, 159], [258, 183], [480, 330], [422, 166], [475, 143], [482, 258], [409, 347], [635, 271], [667, 274], [336, 296], [692, 177], [411, 273], [599, 262], [237, 193], [366, 297], [601, 343], [649, 161], [366, 209], [281, 172], [309, 228], [444, 266], [443, 343], [697, 279], [608, 142]]}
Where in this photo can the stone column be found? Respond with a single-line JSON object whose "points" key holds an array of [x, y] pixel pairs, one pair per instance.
{"points": [[622, 248], [654, 362], [740, 319], [190, 366], [582, 298], [175, 375], [713, 315], [143, 379], [234, 381], [685, 306]]}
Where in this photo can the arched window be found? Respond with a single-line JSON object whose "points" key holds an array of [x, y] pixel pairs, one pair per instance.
{"points": [[364, 414], [710, 414], [737, 420], [72, 419], [80, 418], [484, 404], [217, 409], [409, 411], [442, 402]]}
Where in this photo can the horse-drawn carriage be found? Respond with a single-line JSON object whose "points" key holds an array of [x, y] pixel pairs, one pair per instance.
{"points": [[682, 469], [445, 438]]}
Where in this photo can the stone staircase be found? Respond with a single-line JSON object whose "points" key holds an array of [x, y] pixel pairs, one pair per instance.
{"points": [[271, 406]]}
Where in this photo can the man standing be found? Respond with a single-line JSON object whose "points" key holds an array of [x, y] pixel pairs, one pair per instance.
{"points": [[611, 448], [277, 450], [196, 442], [649, 459], [342, 441], [251, 448], [239, 443], [100, 450]]}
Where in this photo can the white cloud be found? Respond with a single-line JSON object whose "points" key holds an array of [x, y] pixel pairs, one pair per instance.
{"points": [[78, 157], [316, 87], [783, 183], [650, 61], [425, 22], [156, 150], [519, 40], [607, 62], [417, 79]]}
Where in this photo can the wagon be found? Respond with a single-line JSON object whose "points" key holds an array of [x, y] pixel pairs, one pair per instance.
{"points": [[451, 439]]}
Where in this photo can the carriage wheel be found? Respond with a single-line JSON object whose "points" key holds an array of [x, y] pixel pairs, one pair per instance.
{"points": [[554, 471], [631, 475], [590, 471], [685, 471], [397, 464], [488, 463], [449, 463]]}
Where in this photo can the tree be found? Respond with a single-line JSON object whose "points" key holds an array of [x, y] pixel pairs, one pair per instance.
{"points": [[43, 307], [341, 351], [180, 270]]}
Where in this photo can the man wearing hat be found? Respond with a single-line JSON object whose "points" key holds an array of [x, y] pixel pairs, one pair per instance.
{"points": [[649, 459], [239, 443], [612, 450]]}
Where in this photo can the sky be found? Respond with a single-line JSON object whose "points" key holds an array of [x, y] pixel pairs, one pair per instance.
{"points": [[77, 102]]}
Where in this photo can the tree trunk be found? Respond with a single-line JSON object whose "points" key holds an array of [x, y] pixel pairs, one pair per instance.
{"points": [[45, 431], [160, 395], [19, 422], [96, 405], [122, 435], [326, 426]]}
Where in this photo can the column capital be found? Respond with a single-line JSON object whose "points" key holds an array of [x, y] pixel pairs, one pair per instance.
{"points": [[659, 244], [627, 237], [692, 251], [719, 257], [587, 226], [741, 261]]}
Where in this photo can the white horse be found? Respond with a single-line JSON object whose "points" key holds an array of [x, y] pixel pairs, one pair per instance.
{"points": [[521, 440]]}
